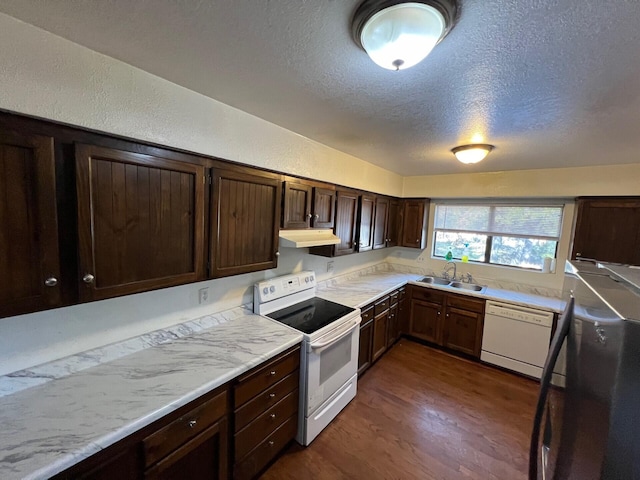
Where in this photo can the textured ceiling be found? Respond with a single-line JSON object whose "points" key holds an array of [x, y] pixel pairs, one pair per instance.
{"points": [[550, 83]]}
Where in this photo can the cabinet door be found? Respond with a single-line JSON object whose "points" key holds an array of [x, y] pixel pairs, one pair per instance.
{"points": [[29, 257], [380, 234], [425, 320], [297, 205], [140, 222], [608, 229], [245, 212], [324, 208], [414, 223], [392, 327], [346, 210], [379, 335], [365, 227], [366, 343], [203, 457], [394, 222], [403, 317], [463, 331]]}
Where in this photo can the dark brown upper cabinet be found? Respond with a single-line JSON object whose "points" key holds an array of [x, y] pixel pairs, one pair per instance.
{"points": [[29, 255], [324, 207], [245, 215], [394, 222], [366, 219], [381, 223], [306, 206], [140, 222], [608, 229], [414, 226], [346, 218]]}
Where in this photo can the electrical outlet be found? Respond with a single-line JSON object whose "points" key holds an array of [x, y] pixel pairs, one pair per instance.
{"points": [[421, 259], [330, 266], [203, 295]]}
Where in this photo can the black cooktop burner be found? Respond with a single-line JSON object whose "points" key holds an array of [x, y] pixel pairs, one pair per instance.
{"points": [[311, 315]]}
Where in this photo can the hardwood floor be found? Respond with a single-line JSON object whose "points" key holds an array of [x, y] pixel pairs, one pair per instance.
{"points": [[423, 414]]}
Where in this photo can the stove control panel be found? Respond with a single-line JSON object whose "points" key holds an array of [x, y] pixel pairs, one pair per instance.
{"points": [[279, 287]]}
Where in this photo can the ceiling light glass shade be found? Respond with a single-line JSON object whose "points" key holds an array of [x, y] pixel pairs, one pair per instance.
{"points": [[403, 35], [472, 153]]}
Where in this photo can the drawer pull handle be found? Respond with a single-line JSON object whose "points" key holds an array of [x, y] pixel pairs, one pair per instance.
{"points": [[273, 415], [272, 395], [272, 373], [192, 423], [271, 443]]}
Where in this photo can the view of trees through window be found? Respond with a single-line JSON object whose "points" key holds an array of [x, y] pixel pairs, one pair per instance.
{"points": [[520, 236]]}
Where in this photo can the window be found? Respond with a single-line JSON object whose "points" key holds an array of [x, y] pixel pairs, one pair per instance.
{"points": [[514, 235]]}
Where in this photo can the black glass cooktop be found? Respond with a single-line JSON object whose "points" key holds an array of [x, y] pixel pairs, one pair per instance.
{"points": [[311, 315]]}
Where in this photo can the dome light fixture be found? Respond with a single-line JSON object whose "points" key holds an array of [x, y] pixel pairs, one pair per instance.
{"points": [[473, 153], [398, 34]]}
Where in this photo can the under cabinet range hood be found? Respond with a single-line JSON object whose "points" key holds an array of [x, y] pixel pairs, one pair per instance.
{"points": [[307, 238]]}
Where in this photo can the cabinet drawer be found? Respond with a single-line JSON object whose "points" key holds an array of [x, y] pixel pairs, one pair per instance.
{"points": [[266, 399], [427, 294], [466, 303], [260, 456], [367, 314], [170, 437], [382, 305], [393, 298], [255, 382], [265, 424], [402, 293]]}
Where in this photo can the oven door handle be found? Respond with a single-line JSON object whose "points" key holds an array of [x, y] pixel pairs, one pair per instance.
{"points": [[340, 336]]}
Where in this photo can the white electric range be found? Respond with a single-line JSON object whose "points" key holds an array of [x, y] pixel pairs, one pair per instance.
{"points": [[329, 354]]}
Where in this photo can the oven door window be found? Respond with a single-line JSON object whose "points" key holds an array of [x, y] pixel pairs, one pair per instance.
{"points": [[335, 358], [331, 364]]}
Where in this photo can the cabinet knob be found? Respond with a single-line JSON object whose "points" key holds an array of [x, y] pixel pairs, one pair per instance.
{"points": [[417, 240], [51, 282], [439, 313], [273, 415], [272, 372], [277, 254], [447, 315], [316, 216], [309, 215], [578, 254], [271, 443], [88, 278], [192, 423], [272, 395]]}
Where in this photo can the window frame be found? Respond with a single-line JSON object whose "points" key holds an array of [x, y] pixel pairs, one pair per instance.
{"points": [[490, 235]]}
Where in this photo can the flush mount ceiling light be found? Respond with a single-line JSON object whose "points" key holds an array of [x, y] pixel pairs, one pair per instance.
{"points": [[472, 153], [398, 34]]}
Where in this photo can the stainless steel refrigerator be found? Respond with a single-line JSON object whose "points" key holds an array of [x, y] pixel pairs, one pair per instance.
{"points": [[591, 428]]}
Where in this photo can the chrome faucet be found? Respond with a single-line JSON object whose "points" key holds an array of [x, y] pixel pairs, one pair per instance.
{"points": [[445, 272], [467, 278]]}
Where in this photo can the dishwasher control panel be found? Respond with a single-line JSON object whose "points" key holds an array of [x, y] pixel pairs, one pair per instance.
{"points": [[522, 314]]}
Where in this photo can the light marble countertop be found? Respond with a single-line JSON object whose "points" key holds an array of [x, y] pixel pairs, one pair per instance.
{"points": [[50, 427], [360, 290]]}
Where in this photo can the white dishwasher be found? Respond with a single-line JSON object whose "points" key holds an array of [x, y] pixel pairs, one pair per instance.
{"points": [[516, 338]]}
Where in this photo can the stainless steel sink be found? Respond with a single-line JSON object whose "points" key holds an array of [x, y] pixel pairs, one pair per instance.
{"points": [[467, 286], [434, 280]]}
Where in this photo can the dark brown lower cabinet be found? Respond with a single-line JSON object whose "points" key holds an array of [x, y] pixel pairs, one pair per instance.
{"points": [[266, 413], [379, 335], [446, 319], [393, 332], [404, 309], [366, 343]]}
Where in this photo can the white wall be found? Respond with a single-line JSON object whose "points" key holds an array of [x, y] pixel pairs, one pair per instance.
{"points": [[47, 76], [556, 182], [32, 339]]}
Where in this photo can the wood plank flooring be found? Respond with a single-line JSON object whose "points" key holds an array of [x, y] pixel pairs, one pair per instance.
{"points": [[423, 414]]}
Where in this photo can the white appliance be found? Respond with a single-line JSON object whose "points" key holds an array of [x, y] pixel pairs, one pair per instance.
{"points": [[516, 337], [329, 354]]}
